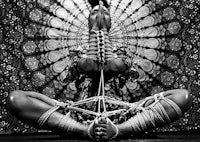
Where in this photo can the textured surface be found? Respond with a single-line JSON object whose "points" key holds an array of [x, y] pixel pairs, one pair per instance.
{"points": [[21, 49], [177, 137]]}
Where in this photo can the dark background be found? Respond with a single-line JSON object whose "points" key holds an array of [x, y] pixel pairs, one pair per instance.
{"points": [[12, 73]]}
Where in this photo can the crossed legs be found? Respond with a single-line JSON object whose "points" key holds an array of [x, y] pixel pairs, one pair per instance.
{"points": [[30, 106], [182, 100]]}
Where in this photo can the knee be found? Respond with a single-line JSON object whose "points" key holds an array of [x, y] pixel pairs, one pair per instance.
{"points": [[182, 98], [15, 100]]}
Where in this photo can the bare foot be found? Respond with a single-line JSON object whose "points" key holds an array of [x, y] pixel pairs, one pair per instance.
{"points": [[102, 129], [93, 130], [108, 130]]}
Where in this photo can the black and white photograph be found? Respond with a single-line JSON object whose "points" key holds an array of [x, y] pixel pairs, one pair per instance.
{"points": [[99, 70]]}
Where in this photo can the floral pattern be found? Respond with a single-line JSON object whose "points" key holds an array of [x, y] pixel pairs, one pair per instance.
{"points": [[25, 53]]}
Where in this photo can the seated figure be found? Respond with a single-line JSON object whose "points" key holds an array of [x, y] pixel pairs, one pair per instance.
{"points": [[158, 110]]}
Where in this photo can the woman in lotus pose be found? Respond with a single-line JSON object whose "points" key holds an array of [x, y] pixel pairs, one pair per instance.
{"points": [[41, 111]]}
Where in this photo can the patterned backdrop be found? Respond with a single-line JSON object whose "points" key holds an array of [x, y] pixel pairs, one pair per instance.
{"points": [[15, 29]]}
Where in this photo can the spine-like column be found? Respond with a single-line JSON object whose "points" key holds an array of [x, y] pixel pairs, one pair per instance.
{"points": [[100, 48], [92, 52]]}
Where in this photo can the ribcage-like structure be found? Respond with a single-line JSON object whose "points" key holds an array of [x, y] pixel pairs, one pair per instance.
{"points": [[145, 33]]}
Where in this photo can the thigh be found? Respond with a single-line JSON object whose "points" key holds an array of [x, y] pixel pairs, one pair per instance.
{"points": [[29, 106], [181, 97]]}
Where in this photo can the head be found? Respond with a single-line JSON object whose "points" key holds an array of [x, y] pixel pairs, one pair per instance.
{"points": [[99, 17]]}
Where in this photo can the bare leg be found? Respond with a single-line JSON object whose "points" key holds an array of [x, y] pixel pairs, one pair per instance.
{"points": [[181, 97], [28, 106]]}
